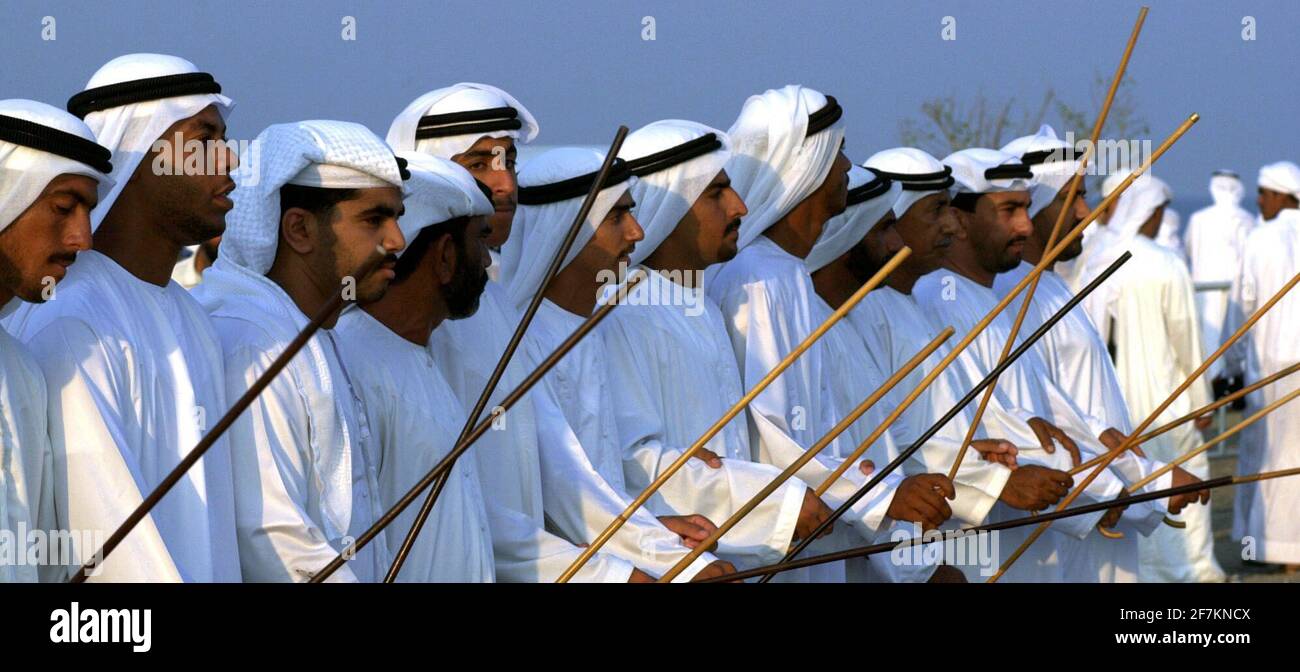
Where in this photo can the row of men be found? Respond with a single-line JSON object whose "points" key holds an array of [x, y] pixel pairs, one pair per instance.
{"points": [[123, 370]]}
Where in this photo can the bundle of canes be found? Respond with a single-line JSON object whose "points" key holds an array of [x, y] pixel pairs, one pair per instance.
{"points": [[864, 551], [952, 412], [736, 408], [1066, 208], [1048, 257], [1208, 408], [326, 312], [1137, 432], [409, 540]]}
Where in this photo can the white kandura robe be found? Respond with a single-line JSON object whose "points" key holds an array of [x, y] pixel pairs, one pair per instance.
{"points": [[1079, 364], [508, 457], [854, 376], [134, 373], [26, 463], [1088, 557], [895, 328], [415, 419], [581, 461], [305, 470], [1215, 241], [765, 295], [675, 377], [1157, 346], [1267, 511]]}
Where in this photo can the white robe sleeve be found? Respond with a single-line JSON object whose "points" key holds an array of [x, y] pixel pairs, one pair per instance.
{"points": [[278, 539], [716, 494], [98, 473], [581, 504], [525, 553], [786, 415]]}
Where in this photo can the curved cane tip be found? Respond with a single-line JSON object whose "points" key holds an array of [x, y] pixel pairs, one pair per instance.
{"points": [[1109, 533], [1176, 524]]}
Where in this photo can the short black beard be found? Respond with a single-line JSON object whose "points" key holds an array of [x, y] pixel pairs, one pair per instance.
{"points": [[860, 263], [465, 288]]}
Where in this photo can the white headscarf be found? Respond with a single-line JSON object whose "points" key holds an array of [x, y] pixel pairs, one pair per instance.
{"points": [[353, 157], [439, 190], [775, 165], [907, 161], [1226, 189], [847, 229], [1282, 177], [1137, 204], [1052, 175], [26, 171], [539, 230], [970, 165], [130, 130], [665, 196], [463, 97]]}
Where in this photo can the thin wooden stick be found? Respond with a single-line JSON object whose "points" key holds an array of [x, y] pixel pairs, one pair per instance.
{"points": [[1066, 207], [873, 549], [327, 311], [952, 412], [509, 401], [1132, 440], [736, 408], [1209, 408], [1255, 417], [470, 420], [811, 453]]}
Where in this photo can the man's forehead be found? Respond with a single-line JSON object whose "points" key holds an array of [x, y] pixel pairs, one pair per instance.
{"points": [[208, 116], [486, 145]]}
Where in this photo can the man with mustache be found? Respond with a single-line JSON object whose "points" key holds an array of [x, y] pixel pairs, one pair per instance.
{"points": [[1074, 351], [478, 126], [135, 365], [552, 188], [668, 353], [51, 170], [991, 203], [305, 456], [410, 409]]}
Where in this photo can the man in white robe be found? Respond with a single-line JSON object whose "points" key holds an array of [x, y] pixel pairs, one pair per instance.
{"points": [[409, 406], [1215, 240], [466, 351], [669, 355], [789, 169], [552, 187], [1265, 513], [328, 194], [51, 173], [133, 365], [1075, 353], [1149, 307], [994, 212]]}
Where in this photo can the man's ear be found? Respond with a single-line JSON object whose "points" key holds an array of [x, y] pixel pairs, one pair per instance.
{"points": [[444, 256], [298, 230]]}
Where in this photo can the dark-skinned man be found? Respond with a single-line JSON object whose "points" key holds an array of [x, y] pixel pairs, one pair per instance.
{"points": [[134, 365]]}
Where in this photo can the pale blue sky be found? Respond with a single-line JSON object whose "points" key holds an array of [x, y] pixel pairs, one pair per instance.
{"points": [[582, 67]]}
